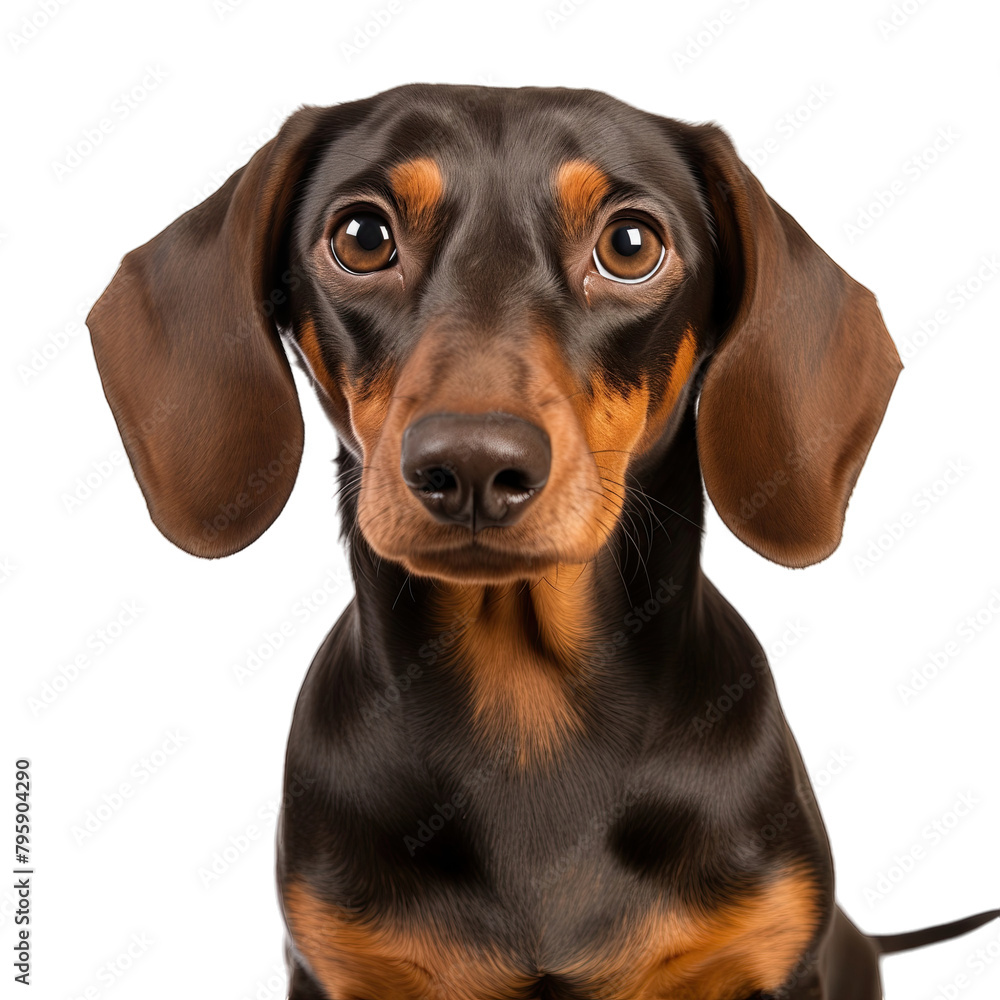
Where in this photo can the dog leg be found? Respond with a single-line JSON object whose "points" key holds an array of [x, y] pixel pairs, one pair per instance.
{"points": [[848, 966]]}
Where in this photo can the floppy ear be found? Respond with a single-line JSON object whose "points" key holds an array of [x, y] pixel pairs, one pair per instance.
{"points": [[797, 387], [191, 362]]}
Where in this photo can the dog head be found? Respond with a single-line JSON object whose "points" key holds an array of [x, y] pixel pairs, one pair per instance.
{"points": [[506, 300]]}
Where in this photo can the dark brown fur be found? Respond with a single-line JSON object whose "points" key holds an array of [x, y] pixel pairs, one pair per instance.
{"points": [[511, 786]]}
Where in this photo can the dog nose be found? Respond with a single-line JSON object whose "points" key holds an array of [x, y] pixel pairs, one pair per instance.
{"points": [[479, 470]]}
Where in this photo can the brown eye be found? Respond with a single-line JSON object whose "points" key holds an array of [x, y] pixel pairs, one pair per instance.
{"points": [[363, 242], [628, 250]]}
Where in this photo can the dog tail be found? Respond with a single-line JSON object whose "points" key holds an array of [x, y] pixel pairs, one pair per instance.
{"points": [[888, 944]]}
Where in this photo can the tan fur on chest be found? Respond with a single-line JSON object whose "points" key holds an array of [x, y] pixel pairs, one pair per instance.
{"points": [[748, 944], [519, 649]]}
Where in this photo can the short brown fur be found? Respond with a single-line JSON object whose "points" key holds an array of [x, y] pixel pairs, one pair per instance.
{"points": [[418, 186], [580, 188]]}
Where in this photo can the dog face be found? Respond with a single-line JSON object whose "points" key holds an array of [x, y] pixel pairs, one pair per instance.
{"points": [[505, 299], [496, 347]]}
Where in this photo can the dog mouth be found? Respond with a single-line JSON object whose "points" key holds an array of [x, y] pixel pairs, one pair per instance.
{"points": [[475, 558]]}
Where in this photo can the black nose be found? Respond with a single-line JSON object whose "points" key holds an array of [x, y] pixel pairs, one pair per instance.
{"points": [[480, 470]]}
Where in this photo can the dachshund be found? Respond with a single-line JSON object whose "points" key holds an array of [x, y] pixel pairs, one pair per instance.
{"points": [[539, 755]]}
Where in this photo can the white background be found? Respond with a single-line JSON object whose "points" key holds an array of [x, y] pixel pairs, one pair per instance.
{"points": [[227, 77]]}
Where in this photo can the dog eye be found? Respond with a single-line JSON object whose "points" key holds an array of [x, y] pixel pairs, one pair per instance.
{"points": [[628, 250], [363, 243]]}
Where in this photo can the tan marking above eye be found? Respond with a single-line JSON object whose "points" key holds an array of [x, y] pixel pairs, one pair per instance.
{"points": [[628, 250], [362, 242], [581, 186], [418, 186]]}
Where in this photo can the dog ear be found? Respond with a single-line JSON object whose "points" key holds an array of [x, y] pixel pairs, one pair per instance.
{"points": [[190, 358], [800, 379]]}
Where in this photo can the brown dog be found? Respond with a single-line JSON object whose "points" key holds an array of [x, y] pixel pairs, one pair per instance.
{"points": [[537, 318]]}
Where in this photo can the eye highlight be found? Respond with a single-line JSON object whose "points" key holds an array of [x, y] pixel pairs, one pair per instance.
{"points": [[628, 251], [362, 243]]}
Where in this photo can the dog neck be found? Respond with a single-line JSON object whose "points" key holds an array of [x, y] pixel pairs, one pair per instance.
{"points": [[533, 657]]}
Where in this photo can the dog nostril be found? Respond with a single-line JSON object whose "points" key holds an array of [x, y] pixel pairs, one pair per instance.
{"points": [[437, 479], [513, 481]]}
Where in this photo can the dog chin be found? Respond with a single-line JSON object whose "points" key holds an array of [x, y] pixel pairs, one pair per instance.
{"points": [[477, 564]]}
